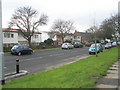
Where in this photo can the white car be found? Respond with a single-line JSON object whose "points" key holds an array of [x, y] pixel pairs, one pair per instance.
{"points": [[108, 45], [67, 46], [114, 44]]}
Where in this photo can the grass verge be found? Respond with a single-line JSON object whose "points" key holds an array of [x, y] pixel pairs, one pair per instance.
{"points": [[81, 74], [46, 49], [37, 50]]}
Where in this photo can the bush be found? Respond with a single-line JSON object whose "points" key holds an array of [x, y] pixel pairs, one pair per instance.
{"points": [[49, 41], [68, 41]]}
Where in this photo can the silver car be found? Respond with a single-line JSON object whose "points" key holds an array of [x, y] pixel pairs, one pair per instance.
{"points": [[108, 45], [67, 46]]}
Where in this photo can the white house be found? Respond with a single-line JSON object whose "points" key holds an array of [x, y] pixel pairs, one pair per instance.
{"points": [[44, 35], [36, 39], [12, 37]]}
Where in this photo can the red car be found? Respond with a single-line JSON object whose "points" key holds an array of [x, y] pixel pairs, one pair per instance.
{"points": [[88, 44]]}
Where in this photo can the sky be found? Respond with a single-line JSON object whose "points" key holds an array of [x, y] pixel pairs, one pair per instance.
{"points": [[82, 12]]}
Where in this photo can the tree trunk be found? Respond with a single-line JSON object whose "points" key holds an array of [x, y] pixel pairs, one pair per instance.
{"points": [[62, 39], [29, 42]]}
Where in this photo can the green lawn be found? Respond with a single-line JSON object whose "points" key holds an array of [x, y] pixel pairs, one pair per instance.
{"points": [[81, 74]]}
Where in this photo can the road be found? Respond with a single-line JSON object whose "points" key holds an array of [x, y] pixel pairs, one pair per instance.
{"points": [[43, 60]]}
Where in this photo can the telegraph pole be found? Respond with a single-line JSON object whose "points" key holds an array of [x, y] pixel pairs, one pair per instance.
{"points": [[94, 27], [1, 49], [119, 46]]}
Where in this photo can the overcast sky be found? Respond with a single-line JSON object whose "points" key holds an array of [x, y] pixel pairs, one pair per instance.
{"points": [[81, 12]]}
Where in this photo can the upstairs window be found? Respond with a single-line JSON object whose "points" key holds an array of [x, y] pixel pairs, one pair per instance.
{"points": [[8, 35], [35, 36]]}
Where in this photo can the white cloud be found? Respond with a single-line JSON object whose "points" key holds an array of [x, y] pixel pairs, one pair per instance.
{"points": [[82, 12]]}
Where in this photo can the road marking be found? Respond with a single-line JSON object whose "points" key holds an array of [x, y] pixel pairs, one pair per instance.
{"points": [[31, 59], [55, 54]]}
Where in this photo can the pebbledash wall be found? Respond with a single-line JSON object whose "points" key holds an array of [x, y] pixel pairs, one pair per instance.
{"points": [[12, 37]]}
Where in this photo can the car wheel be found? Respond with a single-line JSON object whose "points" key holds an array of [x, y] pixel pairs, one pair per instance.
{"points": [[31, 52], [12, 53], [19, 53], [98, 52]]}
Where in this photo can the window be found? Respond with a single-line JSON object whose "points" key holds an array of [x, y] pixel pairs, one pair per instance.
{"points": [[8, 35], [35, 36], [78, 37], [12, 35]]}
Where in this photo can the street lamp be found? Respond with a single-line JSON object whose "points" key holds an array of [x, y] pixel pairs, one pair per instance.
{"points": [[1, 49]]}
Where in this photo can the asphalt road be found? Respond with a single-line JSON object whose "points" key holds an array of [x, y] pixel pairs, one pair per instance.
{"points": [[43, 60]]}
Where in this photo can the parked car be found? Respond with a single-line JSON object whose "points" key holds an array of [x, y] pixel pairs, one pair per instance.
{"points": [[114, 44], [20, 49], [108, 45], [88, 44], [103, 42], [98, 48], [78, 45], [118, 43], [67, 46]]}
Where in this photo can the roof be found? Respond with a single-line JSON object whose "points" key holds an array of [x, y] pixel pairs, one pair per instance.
{"points": [[82, 34], [16, 30], [9, 30]]}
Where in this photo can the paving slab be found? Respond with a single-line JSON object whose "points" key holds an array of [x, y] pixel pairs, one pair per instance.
{"points": [[108, 81], [111, 81], [113, 68], [113, 71], [114, 76], [101, 86]]}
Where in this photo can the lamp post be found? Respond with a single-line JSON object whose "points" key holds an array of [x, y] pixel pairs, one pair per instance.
{"points": [[1, 49]]}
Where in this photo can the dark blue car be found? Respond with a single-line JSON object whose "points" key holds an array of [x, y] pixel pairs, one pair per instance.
{"points": [[20, 50]]}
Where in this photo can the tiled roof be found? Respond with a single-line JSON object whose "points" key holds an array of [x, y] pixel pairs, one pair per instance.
{"points": [[83, 34], [15, 30]]}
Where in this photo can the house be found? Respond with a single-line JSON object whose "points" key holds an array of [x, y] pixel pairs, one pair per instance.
{"points": [[45, 35], [58, 39], [36, 38], [77, 36], [82, 36], [12, 37]]}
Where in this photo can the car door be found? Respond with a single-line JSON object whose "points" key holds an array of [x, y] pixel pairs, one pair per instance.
{"points": [[27, 50]]}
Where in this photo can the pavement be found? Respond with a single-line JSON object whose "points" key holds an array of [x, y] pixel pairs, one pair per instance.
{"points": [[112, 80], [14, 75]]}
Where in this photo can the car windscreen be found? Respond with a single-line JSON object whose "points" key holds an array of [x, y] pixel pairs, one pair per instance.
{"points": [[108, 44], [19, 47], [93, 45], [65, 43], [15, 47], [77, 43]]}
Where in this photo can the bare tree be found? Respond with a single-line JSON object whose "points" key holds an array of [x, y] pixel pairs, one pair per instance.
{"points": [[25, 18], [92, 31], [109, 26], [62, 27]]}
